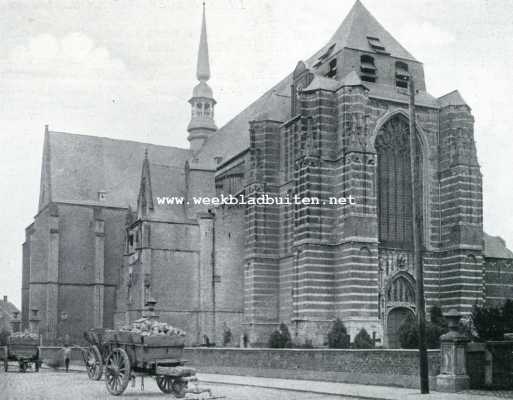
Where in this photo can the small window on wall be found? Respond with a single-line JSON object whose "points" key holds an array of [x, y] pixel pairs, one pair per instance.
{"points": [[367, 68], [402, 75], [130, 242], [332, 72]]}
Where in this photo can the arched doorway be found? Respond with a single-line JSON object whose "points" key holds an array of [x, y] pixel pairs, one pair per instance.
{"points": [[395, 319]]}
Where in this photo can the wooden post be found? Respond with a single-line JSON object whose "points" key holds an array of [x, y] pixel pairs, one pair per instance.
{"points": [[417, 250]]}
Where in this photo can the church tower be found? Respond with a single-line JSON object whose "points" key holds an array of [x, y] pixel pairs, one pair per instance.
{"points": [[202, 102]]}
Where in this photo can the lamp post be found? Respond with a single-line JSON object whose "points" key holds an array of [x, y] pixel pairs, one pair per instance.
{"points": [[417, 250]]}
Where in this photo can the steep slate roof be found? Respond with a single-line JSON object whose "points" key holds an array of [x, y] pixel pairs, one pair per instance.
{"points": [[166, 181], [77, 167], [355, 28], [495, 247], [453, 98], [233, 138]]}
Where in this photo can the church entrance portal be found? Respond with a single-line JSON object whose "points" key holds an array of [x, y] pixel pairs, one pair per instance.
{"points": [[395, 319]]}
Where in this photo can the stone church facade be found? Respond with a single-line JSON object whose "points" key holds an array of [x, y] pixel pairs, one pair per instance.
{"points": [[101, 244]]}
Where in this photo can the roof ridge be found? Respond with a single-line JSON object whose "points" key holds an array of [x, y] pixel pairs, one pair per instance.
{"points": [[50, 132]]}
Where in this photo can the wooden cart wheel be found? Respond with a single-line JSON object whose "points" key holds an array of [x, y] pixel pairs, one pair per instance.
{"points": [[169, 385], [93, 363], [164, 383], [117, 371]]}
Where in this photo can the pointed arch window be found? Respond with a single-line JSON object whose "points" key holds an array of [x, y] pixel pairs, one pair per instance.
{"points": [[394, 183]]}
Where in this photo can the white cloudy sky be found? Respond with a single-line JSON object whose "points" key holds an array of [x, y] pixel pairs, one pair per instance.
{"points": [[125, 69]]}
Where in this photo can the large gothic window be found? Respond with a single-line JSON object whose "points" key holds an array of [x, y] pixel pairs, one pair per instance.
{"points": [[394, 183]]}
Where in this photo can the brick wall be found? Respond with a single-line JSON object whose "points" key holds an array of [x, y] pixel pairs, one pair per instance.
{"points": [[380, 367]]}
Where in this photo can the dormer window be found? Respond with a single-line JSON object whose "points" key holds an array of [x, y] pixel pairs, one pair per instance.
{"points": [[367, 68], [324, 56], [376, 45], [332, 72], [102, 195], [402, 75]]}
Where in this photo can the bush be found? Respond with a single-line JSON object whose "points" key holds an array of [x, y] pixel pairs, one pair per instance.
{"points": [[227, 337], [489, 322], [337, 336], [409, 334], [280, 339], [363, 340]]}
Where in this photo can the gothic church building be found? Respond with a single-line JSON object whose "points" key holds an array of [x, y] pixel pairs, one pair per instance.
{"points": [[101, 245]]}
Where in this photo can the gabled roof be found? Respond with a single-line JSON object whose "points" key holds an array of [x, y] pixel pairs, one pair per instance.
{"points": [[453, 98], [77, 167], [495, 247]]}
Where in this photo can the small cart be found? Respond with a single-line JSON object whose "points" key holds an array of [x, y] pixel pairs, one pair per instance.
{"points": [[24, 351], [122, 356], [95, 353]]}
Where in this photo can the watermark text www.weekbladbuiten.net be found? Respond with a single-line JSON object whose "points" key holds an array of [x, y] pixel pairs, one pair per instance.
{"points": [[263, 199]]}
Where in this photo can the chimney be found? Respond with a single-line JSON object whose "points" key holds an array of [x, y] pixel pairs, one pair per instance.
{"points": [[5, 299]]}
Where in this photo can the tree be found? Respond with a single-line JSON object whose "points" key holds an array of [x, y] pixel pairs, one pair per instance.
{"points": [[363, 340], [337, 336], [507, 315], [489, 322], [437, 318]]}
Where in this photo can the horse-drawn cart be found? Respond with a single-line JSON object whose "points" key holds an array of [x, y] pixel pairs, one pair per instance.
{"points": [[123, 355], [23, 349]]}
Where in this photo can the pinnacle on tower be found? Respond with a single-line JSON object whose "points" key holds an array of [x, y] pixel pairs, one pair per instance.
{"points": [[203, 67], [202, 123]]}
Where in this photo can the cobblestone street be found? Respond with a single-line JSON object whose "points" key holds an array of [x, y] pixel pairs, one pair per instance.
{"points": [[52, 385]]}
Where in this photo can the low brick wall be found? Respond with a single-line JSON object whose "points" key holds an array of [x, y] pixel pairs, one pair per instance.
{"points": [[375, 367]]}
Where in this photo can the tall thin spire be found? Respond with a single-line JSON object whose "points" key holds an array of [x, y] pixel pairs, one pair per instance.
{"points": [[202, 102], [203, 68]]}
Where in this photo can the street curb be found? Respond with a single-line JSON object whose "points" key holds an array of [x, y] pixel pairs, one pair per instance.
{"points": [[352, 396]]}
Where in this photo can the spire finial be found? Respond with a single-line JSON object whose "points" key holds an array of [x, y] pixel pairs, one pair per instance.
{"points": [[203, 68]]}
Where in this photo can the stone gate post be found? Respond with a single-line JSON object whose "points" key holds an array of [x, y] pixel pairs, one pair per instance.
{"points": [[453, 373]]}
